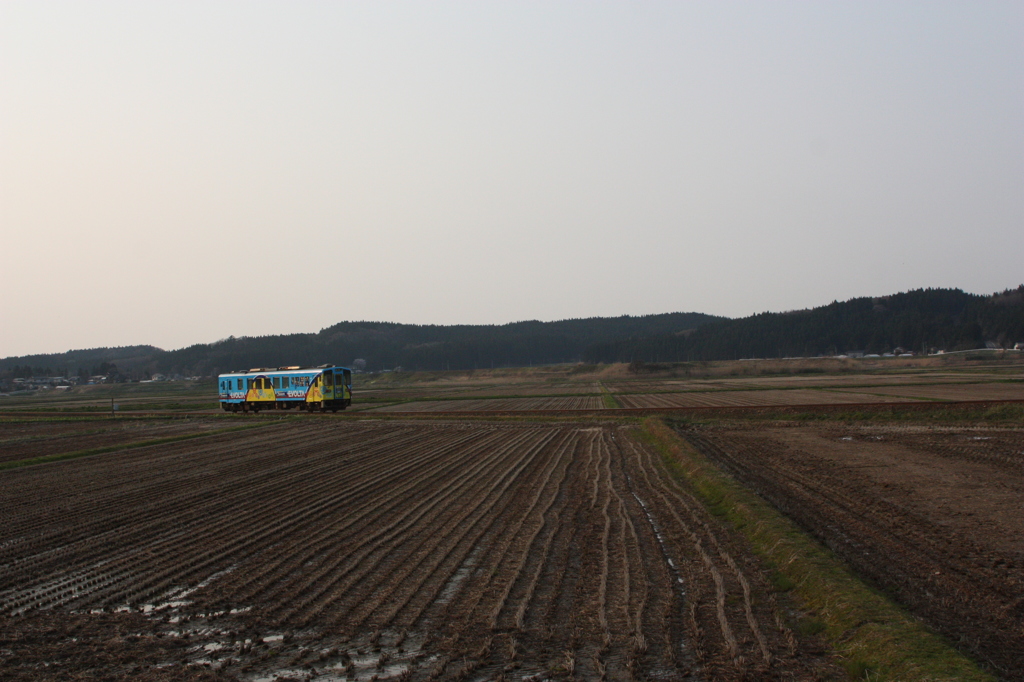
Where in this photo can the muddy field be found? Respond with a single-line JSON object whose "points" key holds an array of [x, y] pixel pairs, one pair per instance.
{"points": [[24, 439], [507, 391], [499, 405], [528, 389], [933, 515], [988, 391], [837, 381], [339, 549], [752, 398]]}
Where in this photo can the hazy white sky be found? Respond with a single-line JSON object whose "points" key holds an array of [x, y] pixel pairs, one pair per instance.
{"points": [[174, 173]]}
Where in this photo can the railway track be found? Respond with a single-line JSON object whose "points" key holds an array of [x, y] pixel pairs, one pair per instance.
{"points": [[583, 412]]}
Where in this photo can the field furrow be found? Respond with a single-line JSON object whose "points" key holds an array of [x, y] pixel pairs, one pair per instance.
{"points": [[430, 550]]}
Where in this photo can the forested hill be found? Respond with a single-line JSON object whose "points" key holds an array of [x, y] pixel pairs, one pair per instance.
{"points": [[383, 345], [918, 321], [922, 320]]}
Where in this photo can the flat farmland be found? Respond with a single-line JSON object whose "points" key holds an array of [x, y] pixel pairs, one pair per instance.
{"points": [[499, 405], [933, 515], [133, 396], [486, 391], [527, 390], [406, 393], [858, 381], [340, 549], [24, 438], [755, 398], [1008, 390]]}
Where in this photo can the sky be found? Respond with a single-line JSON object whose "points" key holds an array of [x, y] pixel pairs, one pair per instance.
{"points": [[174, 173]]}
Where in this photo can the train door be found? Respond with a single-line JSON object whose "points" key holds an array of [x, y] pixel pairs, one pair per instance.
{"points": [[328, 387], [315, 394]]}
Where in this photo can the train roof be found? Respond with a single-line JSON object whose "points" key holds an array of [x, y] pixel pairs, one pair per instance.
{"points": [[281, 370]]}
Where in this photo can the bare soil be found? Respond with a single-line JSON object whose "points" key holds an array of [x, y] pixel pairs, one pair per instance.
{"points": [[25, 439], [753, 398], [932, 515], [987, 391], [499, 405], [340, 549]]}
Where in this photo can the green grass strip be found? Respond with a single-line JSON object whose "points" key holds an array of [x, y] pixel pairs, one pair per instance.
{"points": [[608, 398], [876, 639], [125, 446]]}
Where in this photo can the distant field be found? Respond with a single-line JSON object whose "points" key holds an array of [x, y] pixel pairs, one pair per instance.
{"points": [[498, 405], [98, 398], [751, 399], [808, 381], [964, 391]]}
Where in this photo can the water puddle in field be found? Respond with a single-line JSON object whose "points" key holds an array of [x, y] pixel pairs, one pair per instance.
{"points": [[175, 598], [59, 591], [661, 543], [455, 582], [386, 655]]}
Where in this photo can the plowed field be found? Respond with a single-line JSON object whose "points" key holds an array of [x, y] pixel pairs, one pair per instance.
{"points": [[499, 405], [752, 398], [27, 439], [344, 549], [802, 381], [933, 515], [989, 391]]}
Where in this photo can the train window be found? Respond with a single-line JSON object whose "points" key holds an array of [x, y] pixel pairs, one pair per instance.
{"points": [[328, 379], [239, 384]]}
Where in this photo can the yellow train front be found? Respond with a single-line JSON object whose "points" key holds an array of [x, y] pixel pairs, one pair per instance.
{"points": [[327, 387]]}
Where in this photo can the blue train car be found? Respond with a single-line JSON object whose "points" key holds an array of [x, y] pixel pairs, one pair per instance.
{"points": [[327, 387]]}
